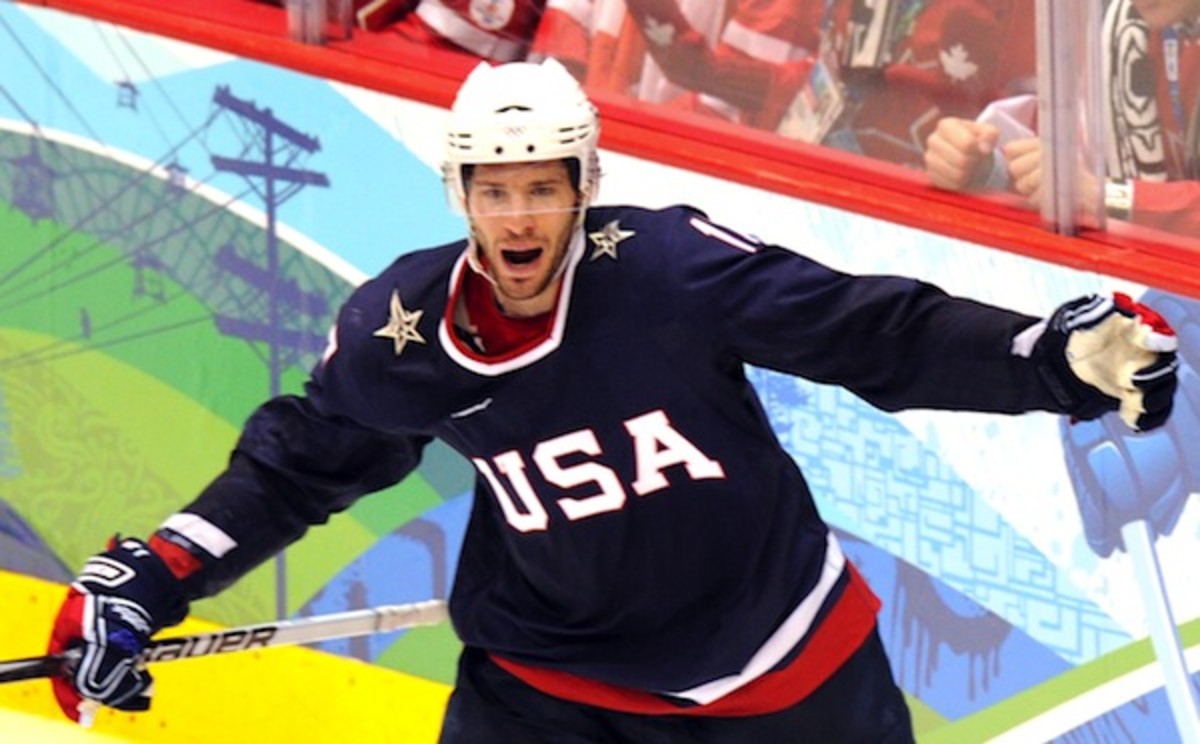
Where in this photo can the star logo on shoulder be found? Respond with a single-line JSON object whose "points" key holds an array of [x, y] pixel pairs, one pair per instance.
{"points": [[607, 238], [402, 324]]}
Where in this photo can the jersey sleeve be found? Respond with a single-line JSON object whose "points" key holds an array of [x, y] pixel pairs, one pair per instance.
{"points": [[299, 459], [896, 342]]}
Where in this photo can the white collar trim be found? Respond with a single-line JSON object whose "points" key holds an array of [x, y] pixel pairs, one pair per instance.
{"points": [[480, 365]]}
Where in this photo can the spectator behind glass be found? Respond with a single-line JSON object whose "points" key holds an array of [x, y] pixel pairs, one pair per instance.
{"points": [[672, 51], [604, 47], [888, 73], [1152, 73], [565, 33], [497, 31]]}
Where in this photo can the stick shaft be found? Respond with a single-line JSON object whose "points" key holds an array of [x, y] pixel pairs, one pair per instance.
{"points": [[380, 619], [1164, 634]]}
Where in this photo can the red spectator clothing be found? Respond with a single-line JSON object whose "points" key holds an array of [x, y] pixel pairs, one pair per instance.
{"points": [[500, 31], [782, 36], [687, 47], [951, 58], [565, 33], [595, 39], [1171, 206], [705, 21], [954, 57]]}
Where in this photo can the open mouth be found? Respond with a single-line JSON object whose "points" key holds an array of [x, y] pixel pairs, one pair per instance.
{"points": [[519, 258]]}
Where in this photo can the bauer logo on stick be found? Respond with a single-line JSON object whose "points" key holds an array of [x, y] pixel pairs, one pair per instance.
{"points": [[169, 649]]}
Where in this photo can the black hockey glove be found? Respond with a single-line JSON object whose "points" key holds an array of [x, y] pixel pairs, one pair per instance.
{"points": [[1100, 354], [120, 598]]}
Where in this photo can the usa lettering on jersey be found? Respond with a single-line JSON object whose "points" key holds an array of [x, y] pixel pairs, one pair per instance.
{"points": [[657, 445]]}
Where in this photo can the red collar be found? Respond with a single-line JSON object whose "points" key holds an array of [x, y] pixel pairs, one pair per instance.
{"points": [[499, 334]]}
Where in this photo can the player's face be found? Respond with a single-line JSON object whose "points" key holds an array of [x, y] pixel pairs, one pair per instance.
{"points": [[1160, 14], [522, 215]]}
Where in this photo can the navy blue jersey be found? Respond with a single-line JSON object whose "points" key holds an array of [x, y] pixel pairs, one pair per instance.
{"points": [[635, 521]]}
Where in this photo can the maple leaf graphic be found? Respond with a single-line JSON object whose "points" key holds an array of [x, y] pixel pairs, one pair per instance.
{"points": [[660, 33], [956, 63]]}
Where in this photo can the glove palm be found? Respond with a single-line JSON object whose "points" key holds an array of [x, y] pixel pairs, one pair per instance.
{"points": [[1099, 354]]}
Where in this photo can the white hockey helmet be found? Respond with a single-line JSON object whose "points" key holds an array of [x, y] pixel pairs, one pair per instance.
{"points": [[521, 112]]}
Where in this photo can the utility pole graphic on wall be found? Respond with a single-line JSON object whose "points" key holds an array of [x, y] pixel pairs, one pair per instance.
{"points": [[275, 179]]}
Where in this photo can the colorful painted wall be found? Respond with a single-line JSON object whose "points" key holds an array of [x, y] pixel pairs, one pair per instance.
{"points": [[177, 228]]}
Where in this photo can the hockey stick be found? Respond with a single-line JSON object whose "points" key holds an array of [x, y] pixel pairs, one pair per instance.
{"points": [[265, 635], [1164, 634]]}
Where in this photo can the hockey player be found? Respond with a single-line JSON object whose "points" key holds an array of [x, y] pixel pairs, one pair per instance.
{"points": [[1152, 73], [643, 561]]}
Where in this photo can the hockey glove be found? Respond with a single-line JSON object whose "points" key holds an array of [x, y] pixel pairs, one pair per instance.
{"points": [[1100, 354], [120, 598], [1120, 477]]}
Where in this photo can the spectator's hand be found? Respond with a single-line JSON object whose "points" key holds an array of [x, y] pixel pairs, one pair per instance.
{"points": [[958, 152], [1100, 354], [1024, 157], [120, 598]]}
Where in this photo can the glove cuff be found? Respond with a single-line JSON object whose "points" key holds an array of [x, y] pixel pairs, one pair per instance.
{"points": [[1045, 344], [131, 570]]}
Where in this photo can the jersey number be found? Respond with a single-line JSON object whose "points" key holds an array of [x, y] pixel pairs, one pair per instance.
{"points": [[656, 446]]}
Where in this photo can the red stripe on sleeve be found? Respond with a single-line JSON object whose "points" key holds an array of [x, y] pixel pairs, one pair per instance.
{"points": [[180, 562]]}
